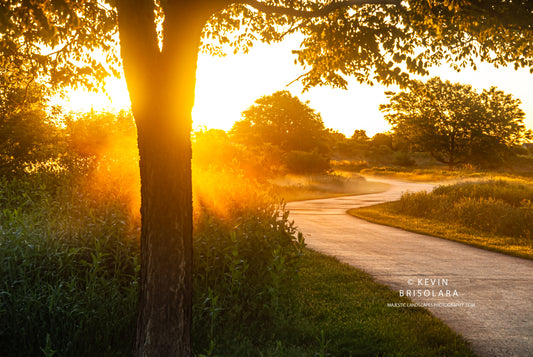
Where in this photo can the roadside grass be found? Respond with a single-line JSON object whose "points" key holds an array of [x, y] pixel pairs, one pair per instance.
{"points": [[439, 173], [347, 311], [309, 187], [423, 174], [496, 215]]}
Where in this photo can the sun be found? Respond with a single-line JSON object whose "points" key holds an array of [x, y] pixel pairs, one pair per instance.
{"points": [[115, 98], [226, 86]]}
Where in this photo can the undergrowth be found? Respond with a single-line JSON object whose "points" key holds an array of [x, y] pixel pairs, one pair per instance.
{"points": [[70, 261]]}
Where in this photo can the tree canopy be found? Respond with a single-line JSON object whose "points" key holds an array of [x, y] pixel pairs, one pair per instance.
{"points": [[280, 124], [455, 123], [59, 39], [280, 119]]}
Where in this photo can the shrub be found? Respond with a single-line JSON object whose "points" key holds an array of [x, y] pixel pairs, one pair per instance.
{"points": [[67, 276], [494, 206], [303, 162], [403, 159]]}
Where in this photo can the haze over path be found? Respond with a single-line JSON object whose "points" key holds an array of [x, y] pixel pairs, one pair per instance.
{"points": [[490, 298]]}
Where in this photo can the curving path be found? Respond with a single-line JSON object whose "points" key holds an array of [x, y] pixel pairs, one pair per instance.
{"points": [[485, 296]]}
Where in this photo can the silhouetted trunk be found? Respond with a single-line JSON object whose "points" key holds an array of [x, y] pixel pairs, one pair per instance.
{"points": [[161, 86]]}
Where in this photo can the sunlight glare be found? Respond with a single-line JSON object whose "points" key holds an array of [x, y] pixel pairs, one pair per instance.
{"points": [[80, 100]]}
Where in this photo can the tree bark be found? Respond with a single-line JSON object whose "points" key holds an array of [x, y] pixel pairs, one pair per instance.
{"points": [[161, 84]]}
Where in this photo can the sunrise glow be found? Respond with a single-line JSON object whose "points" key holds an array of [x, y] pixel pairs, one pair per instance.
{"points": [[228, 85]]}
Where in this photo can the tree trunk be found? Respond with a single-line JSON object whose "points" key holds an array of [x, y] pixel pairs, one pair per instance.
{"points": [[161, 84]]}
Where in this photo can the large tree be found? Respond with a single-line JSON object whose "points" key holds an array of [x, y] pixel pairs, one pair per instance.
{"points": [[159, 42], [281, 119], [293, 129], [455, 123]]}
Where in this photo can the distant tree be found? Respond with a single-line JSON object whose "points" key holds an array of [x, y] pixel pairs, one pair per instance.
{"points": [[283, 120], [455, 123], [360, 136], [27, 133], [335, 136], [336, 141], [382, 139]]}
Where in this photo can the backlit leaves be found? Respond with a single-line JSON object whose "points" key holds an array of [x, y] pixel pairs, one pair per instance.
{"points": [[65, 41], [75, 42], [454, 122]]}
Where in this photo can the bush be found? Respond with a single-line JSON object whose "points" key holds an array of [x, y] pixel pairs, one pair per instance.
{"points": [[403, 159], [68, 271], [497, 207], [303, 162]]}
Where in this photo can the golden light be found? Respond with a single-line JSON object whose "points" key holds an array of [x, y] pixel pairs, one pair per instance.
{"points": [[114, 99], [228, 85]]}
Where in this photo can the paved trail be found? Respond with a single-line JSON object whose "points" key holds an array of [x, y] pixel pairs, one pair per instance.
{"points": [[491, 294]]}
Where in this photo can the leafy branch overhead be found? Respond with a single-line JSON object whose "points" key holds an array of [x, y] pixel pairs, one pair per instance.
{"points": [[74, 42]]}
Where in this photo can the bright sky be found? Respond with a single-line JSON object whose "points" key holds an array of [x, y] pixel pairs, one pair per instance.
{"points": [[228, 85]]}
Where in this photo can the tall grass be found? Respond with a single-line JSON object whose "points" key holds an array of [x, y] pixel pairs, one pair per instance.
{"points": [[67, 273], [69, 268], [493, 206]]}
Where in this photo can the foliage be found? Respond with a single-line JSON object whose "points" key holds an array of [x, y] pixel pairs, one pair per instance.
{"points": [[70, 253], [214, 149], [57, 41], [339, 40], [282, 121], [99, 141], [403, 158], [27, 133], [460, 31], [303, 162], [496, 207], [456, 124], [68, 272]]}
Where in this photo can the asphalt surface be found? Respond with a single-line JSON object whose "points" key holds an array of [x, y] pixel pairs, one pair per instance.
{"points": [[487, 297]]}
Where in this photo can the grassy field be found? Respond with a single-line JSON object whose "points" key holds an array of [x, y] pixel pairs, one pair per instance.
{"points": [[299, 188], [69, 279], [492, 214], [444, 174]]}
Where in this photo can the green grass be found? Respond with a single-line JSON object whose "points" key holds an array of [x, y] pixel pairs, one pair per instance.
{"points": [[299, 188], [496, 215], [340, 311], [351, 310]]}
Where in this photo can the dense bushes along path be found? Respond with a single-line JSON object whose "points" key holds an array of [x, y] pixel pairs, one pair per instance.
{"points": [[485, 296]]}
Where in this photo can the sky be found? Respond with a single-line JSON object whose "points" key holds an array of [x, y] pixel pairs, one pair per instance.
{"points": [[226, 86]]}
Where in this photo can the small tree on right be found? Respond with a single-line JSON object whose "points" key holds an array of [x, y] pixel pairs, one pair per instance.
{"points": [[455, 124]]}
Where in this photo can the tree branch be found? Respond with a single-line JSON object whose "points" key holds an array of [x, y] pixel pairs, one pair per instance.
{"points": [[297, 79], [324, 11]]}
